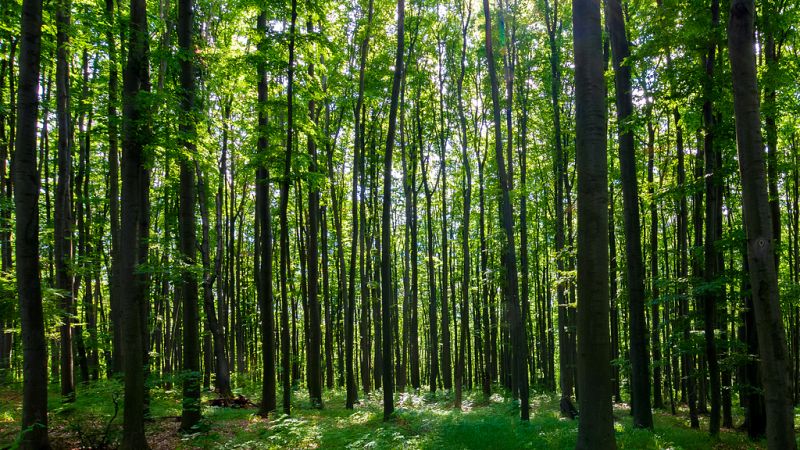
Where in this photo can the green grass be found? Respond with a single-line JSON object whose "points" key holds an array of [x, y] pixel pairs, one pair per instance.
{"points": [[421, 421]]}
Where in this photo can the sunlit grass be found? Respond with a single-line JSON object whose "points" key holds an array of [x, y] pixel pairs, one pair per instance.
{"points": [[422, 421]]}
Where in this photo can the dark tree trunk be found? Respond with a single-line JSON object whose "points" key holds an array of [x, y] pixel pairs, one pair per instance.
{"points": [[26, 243], [712, 295], [655, 310], [433, 340], [62, 233], [640, 372], [519, 342], [352, 389], [284, 238], [113, 174], [614, 309], [596, 427], [387, 300], [265, 294], [467, 193], [775, 357], [314, 350], [222, 378], [191, 413], [447, 369], [488, 373], [135, 135]]}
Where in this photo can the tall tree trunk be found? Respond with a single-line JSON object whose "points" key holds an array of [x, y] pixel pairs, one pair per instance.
{"points": [[135, 135], [284, 205], [640, 372], [596, 428], [314, 350], [467, 193], [775, 357], [352, 390], [447, 372], [222, 378], [566, 382], [191, 413], [433, 340], [62, 233], [113, 174], [655, 337], [519, 342], [26, 237], [387, 299]]}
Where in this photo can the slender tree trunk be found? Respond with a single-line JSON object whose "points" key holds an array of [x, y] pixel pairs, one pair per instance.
{"points": [[640, 372], [655, 337], [596, 428], [387, 299], [352, 390], [775, 357], [26, 237], [519, 342], [314, 351], [222, 378], [113, 174], [467, 193], [433, 340], [135, 132], [62, 233], [191, 413], [284, 238]]}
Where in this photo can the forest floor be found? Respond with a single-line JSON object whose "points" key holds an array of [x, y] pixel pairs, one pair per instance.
{"points": [[422, 421]]}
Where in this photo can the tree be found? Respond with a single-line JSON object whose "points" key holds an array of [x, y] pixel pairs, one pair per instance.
{"points": [[386, 224], [135, 135], [596, 427], [284, 224], [712, 294], [467, 192], [758, 225], [511, 285], [62, 233], [640, 372], [26, 197], [263, 205], [191, 413]]}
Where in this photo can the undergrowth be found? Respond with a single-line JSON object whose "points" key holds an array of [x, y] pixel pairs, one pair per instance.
{"points": [[422, 421]]}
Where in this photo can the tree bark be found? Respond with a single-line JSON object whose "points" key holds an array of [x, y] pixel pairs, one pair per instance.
{"points": [[775, 356], [191, 413], [26, 243], [314, 350], [596, 427], [640, 372], [62, 233], [387, 299], [519, 342], [284, 237], [135, 133]]}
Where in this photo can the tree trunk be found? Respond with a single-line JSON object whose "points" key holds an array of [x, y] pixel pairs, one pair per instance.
{"points": [[284, 238], [62, 233], [387, 299], [519, 342], [712, 295], [596, 427], [640, 372], [467, 193], [191, 413], [135, 135], [26, 243], [775, 357]]}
